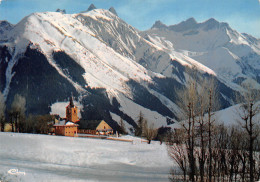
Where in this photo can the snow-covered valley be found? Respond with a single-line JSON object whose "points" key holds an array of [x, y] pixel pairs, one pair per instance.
{"points": [[56, 158]]}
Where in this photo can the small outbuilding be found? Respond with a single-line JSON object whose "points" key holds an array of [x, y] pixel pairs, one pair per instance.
{"points": [[95, 127]]}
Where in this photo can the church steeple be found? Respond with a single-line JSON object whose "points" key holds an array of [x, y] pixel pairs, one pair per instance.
{"points": [[72, 112], [71, 102]]}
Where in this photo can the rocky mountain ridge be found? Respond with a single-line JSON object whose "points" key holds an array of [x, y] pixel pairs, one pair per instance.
{"points": [[114, 70]]}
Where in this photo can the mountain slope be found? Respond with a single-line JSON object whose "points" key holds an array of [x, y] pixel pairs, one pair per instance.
{"points": [[75, 59], [231, 55], [111, 68]]}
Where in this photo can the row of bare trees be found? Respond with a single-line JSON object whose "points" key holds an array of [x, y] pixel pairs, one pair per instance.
{"points": [[18, 120], [207, 151], [229, 159], [16, 113]]}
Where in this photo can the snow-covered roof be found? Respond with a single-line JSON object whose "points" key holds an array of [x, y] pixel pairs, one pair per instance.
{"points": [[70, 124], [64, 123]]}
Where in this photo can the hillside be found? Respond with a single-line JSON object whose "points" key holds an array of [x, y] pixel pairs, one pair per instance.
{"points": [[115, 70], [233, 56]]}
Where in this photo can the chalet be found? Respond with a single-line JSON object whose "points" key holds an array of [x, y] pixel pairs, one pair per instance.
{"points": [[95, 127]]}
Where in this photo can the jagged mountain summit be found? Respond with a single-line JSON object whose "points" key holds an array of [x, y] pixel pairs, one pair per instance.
{"points": [[114, 70], [5, 26], [112, 10], [91, 7], [158, 24], [61, 10], [234, 57]]}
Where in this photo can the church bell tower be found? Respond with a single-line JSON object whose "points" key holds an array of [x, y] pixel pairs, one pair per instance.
{"points": [[72, 112]]}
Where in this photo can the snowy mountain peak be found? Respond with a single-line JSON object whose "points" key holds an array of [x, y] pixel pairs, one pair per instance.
{"points": [[211, 21], [159, 24], [112, 10], [233, 56], [192, 24], [61, 11], [189, 24], [5, 25], [213, 24], [91, 7], [190, 21]]}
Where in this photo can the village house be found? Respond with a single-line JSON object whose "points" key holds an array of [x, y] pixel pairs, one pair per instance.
{"points": [[95, 127], [66, 128], [8, 127]]}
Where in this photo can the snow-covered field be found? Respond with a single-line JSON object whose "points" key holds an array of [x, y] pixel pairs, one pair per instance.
{"points": [[57, 158]]}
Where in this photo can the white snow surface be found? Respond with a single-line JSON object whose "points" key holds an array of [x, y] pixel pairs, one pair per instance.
{"points": [[232, 115], [57, 158]]}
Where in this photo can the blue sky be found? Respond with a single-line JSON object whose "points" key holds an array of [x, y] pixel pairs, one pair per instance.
{"points": [[242, 15]]}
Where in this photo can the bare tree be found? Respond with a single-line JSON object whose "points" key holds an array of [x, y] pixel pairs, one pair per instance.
{"points": [[249, 108], [212, 104], [198, 101], [17, 113], [150, 132], [178, 153], [189, 102], [30, 124], [140, 123], [122, 126], [2, 111], [43, 123]]}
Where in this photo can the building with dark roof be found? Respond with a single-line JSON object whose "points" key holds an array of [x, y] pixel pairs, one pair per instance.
{"points": [[95, 127]]}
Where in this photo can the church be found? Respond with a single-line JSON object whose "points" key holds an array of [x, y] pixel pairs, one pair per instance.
{"points": [[68, 126], [71, 125]]}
